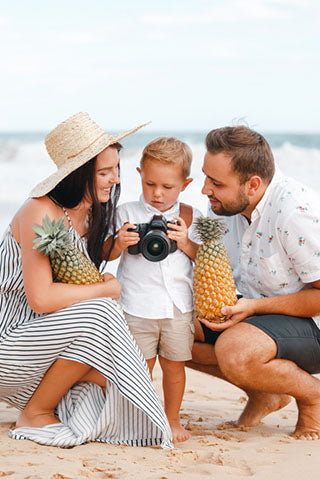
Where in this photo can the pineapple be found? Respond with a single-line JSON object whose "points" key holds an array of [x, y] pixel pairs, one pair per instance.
{"points": [[213, 283], [68, 264]]}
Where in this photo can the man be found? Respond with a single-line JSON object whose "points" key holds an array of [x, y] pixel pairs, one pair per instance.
{"points": [[270, 345]]}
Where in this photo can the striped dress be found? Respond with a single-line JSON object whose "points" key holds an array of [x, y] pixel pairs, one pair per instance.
{"points": [[93, 332]]}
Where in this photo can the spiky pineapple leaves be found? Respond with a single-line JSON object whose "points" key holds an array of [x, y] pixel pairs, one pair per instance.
{"points": [[209, 228], [68, 263], [51, 236]]}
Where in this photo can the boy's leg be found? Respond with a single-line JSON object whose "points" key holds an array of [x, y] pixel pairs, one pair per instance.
{"points": [[174, 349], [151, 362], [173, 382], [146, 333]]}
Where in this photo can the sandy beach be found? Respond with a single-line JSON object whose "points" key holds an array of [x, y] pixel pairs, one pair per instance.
{"points": [[263, 452]]}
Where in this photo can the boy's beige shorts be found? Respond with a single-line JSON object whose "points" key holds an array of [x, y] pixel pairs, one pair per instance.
{"points": [[170, 338]]}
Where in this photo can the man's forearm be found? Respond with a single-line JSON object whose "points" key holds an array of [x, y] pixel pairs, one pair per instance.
{"points": [[304, 303]]}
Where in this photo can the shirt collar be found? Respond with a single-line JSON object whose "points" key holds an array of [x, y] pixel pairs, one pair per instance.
{"points": [[260, 206], [169, 214]]}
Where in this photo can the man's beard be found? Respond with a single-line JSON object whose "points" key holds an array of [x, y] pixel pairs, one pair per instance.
{"points": [[233, 208]]}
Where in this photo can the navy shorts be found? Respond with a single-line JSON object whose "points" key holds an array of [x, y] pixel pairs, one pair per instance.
{"points": [[297, 339]]}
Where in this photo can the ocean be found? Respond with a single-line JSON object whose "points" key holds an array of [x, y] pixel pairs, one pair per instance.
{"points": [[24, 162]]}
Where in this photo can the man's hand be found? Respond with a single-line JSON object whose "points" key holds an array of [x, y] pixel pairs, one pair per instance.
{"points": [[241, 310]]}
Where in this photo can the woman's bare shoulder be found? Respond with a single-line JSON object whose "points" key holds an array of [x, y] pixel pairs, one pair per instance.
{"points": [[33, 211]]}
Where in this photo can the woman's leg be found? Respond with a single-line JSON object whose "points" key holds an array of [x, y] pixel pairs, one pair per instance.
{"points": [[59, 378], [92, 333]]}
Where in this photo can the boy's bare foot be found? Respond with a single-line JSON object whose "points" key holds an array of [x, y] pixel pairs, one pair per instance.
{"points": [[308, 425], [179, 433], [40, 419]]}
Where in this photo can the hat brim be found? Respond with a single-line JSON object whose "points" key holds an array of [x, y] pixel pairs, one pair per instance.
{"points": [[80, 159]]}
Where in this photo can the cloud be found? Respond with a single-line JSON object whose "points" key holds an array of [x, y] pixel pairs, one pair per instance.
{"points": [[78, 38], [3, 21], [228, 12]]}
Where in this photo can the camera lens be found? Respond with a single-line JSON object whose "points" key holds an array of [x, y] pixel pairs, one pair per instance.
{"points": [[155, 246]]}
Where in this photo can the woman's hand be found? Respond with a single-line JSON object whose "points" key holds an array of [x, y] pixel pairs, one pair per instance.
{"points": [[113, 286], [108, 276], [241, 310]]}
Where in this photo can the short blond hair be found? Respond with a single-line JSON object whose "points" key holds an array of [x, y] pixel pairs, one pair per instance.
{"points": [[169, 150]]}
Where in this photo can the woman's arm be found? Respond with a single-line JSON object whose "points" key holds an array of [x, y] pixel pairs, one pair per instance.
{"points": [[42, 293]]}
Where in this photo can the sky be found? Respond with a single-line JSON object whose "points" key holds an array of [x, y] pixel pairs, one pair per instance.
{"points": [[183, 64]]}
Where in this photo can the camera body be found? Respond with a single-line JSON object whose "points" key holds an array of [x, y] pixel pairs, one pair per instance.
{"points": [[154, 243]]}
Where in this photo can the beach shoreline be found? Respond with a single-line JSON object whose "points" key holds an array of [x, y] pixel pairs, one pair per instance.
{"points": [[262, 452]]}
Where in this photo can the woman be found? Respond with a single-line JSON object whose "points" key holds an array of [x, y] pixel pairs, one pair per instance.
{"points": [[59, 343]]}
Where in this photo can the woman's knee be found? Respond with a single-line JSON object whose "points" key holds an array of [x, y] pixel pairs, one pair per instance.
{"points": [[104, 311], [92, 313]]}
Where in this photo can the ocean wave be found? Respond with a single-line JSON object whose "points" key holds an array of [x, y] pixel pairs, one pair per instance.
{"points": [[26, 164], [8, 151]]}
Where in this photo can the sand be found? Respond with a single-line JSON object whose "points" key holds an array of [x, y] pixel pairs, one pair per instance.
{"points": [[264, 452]]}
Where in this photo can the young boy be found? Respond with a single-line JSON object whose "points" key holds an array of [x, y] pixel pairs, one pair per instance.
{"points": [[157, 297]]}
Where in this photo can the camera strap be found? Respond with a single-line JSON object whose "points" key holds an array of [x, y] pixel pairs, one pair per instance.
{"points": [[186, 213]]}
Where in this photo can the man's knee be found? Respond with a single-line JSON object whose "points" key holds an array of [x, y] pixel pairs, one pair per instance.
{"points": [[240, 349], [231, 355], [235, 353]]}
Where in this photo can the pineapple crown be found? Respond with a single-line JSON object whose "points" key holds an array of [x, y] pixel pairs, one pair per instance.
{"points": [[209, 229], [51, 237]]}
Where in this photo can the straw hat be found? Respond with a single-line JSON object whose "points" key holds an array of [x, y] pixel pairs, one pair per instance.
{"points": [[71, 144]]}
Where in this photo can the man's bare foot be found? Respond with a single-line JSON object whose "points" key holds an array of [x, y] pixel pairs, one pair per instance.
{"points": [[26, 419], [179, 433], [308, 425], [258, 406]]}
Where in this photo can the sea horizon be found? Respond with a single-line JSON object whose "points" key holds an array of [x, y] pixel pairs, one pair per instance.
{"points": [[12, 141], [24, 162]]}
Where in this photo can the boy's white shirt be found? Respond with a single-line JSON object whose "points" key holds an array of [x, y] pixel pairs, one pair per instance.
{"points": [[150, 289]]}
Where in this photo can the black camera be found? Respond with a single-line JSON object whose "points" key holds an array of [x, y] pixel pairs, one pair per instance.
{"points": [[154, 244]]}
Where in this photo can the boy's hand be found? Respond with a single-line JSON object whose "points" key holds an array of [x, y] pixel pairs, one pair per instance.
{"points": [[178, 232], [126, 238]]}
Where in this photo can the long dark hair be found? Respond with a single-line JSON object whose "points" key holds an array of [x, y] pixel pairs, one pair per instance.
{"points": [[102, 222]]}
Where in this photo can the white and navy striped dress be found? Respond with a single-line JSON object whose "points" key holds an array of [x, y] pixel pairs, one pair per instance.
{"points": [[92, 332]]}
